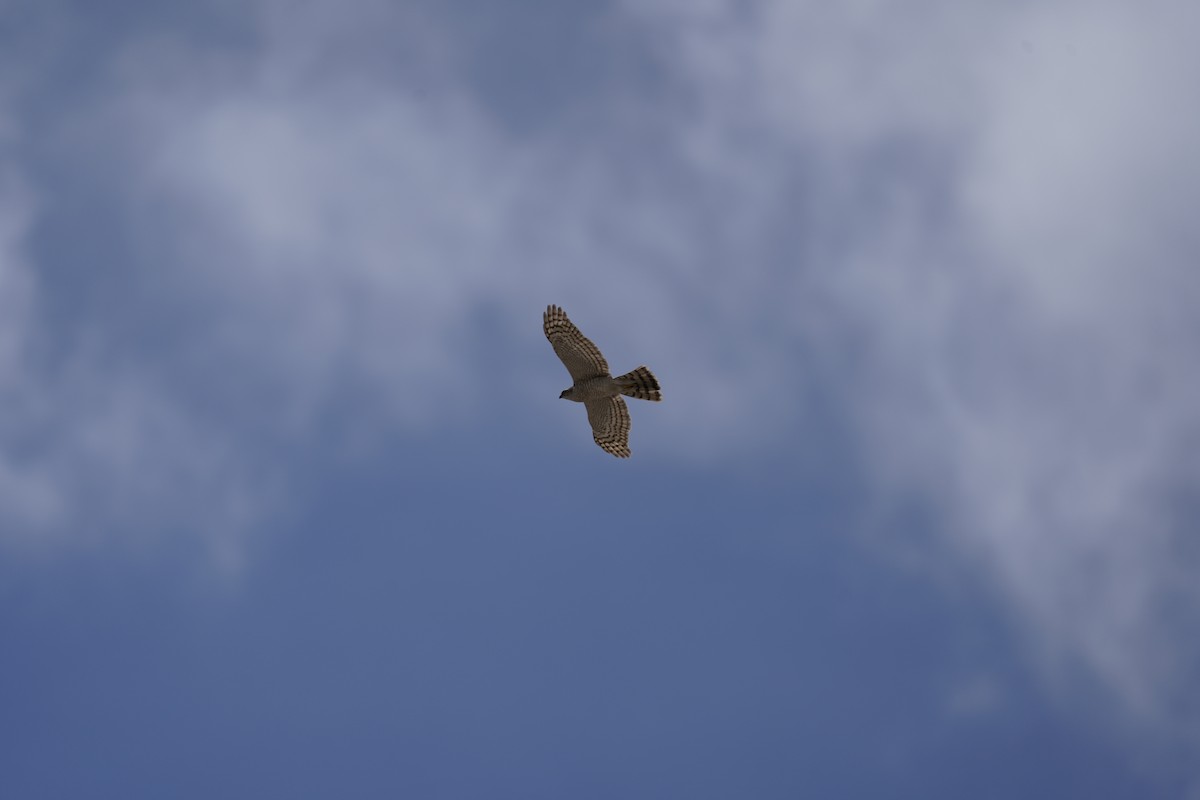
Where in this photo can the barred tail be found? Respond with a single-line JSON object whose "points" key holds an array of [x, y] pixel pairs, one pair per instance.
{"points": [[641, 384]]}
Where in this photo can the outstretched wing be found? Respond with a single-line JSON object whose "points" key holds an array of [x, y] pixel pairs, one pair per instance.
{"points": [[610, 425], [581, 358]]}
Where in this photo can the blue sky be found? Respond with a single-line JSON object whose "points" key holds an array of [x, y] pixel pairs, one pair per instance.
{"points": [[289, 504]]}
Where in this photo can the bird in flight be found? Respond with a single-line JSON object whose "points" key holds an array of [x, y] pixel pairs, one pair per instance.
{"points": [[594, 385]]}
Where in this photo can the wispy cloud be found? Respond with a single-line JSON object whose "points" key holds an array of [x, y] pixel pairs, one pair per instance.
{"points": [[346, 229], [93, 447], [28, 494], [1009, 261]]}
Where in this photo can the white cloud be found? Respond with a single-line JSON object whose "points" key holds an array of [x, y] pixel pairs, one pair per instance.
{"points": [[345, 229], [27, 494], [92, 449], [1021, 309]]}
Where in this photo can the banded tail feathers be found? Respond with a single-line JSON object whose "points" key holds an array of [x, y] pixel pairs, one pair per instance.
{"points": [[640, 383]]}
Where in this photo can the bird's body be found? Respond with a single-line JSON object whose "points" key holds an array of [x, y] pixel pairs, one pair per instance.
{"points": [[594, 385], [596, 388]]}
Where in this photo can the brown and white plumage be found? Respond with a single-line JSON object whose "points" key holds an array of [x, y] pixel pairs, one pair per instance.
{"points": [[610, 422], [594, 386], [577, 353]]}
